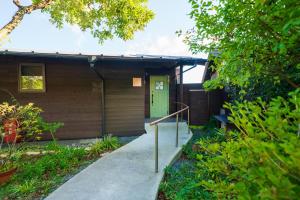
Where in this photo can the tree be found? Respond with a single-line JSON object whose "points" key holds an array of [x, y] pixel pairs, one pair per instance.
{"points": [[104, 18], [258, 43]]}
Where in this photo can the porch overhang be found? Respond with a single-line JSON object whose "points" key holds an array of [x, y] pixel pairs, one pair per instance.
{"points": [[149, 61]]}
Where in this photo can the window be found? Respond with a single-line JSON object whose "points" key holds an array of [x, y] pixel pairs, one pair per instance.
{"points": [[159, 85], [136, 82], [32, 78]]}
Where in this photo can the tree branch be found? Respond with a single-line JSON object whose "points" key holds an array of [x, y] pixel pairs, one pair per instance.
{"points": [[17, 3], [293, 84], [19, 15]]}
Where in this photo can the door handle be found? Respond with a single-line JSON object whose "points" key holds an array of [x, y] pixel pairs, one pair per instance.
{"points": [[152, 99]]}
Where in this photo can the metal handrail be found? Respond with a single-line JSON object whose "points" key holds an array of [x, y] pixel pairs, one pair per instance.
{"points": [[156, 122]]}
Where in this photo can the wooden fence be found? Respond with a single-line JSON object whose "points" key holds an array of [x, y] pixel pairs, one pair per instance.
{"points": [[203, 105]]}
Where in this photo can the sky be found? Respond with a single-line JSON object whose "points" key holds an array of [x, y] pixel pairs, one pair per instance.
{"points": [[158, 38]]}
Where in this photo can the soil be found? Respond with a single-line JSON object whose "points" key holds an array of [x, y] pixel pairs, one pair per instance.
{"points": [[161, 196]]}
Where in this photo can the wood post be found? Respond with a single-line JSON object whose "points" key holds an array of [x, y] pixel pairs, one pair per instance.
{"points": [[156, 148], [188, 121], [177, 130], [181, 89]]}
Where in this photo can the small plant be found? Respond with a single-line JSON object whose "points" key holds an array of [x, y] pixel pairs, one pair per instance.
{"points": [[25, 187], [108, 143], [51, 127], [195, 127]]}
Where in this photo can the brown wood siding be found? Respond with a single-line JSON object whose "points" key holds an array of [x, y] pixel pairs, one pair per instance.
{"points": [[124, 104], [203, 105], [199, 107], [186, 89], [72, 96]]}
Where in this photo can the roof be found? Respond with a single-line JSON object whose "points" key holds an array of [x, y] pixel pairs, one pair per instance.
{"points": [[178, 60]]}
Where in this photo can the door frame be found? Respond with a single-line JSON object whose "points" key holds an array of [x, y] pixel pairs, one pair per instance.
{"points": [[168, 93]]}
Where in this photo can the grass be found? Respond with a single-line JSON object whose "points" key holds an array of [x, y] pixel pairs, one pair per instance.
{"points": [[38, 175], [181, 181]]}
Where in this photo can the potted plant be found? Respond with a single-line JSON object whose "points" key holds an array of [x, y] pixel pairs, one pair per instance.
{"points": [[7, 166], [9, 120], [20, 122], [15, 119], [10, 116]]}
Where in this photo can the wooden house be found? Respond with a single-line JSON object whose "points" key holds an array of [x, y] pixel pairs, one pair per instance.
{"points": [[95, 94]]}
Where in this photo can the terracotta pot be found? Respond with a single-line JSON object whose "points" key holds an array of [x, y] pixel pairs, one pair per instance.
{"points": [[5, 176], [10, 128]]}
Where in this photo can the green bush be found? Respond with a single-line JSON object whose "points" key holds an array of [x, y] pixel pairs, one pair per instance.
{"points": [[31, 124], [180, 183], [181, 180], [108, 143], [38, 175], [259, 160], [59, 157]]}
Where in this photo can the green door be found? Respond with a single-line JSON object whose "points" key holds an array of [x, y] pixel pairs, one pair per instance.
{"points": [[159, 96]]}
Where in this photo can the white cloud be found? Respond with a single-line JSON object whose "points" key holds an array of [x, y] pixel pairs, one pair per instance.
{"points": [[163, 45], [79, 34]]}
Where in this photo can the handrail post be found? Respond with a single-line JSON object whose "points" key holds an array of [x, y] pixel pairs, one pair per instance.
{"points": [[189, 121], [156, 148], [155, 123], [177, 130]]}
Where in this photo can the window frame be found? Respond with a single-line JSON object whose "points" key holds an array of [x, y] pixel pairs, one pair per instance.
{"points": [[42, 65]]}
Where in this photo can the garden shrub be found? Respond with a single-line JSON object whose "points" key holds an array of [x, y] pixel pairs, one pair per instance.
{"points": [[31, 124], [259, 160], [108, 143], [180, 183], [39, 175], [59, 157], [209, 130]]}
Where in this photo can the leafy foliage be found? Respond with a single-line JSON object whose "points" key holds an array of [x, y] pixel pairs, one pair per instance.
{"points": [[181, 180], [255, 50], [255, 44], [259, 161], [105, 19], [29, 127], [31, 124], [180, 183], [108, 143], [31, 83], [41, 174]]}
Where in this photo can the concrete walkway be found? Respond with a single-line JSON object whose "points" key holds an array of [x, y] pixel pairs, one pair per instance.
{"points": [[128, 172]]}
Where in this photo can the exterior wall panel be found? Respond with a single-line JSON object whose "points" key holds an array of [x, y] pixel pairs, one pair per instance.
{"points": [[73, 96], [203, 105], [124, 104]]}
